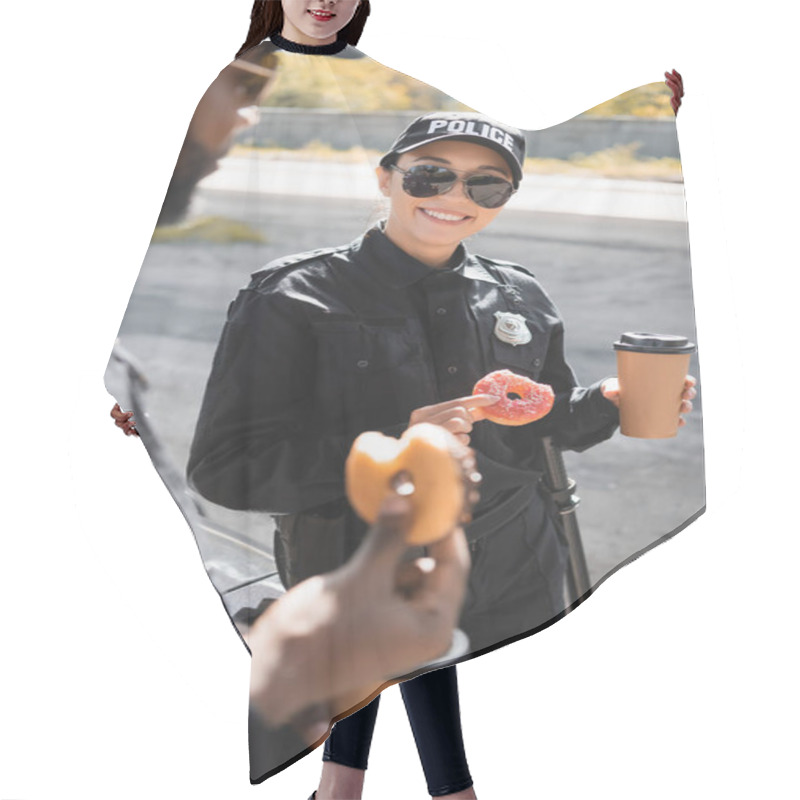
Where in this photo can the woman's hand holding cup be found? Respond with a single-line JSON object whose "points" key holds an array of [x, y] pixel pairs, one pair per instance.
{"points": [[610, 390]]}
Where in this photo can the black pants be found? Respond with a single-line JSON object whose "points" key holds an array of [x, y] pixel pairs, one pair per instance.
{"points": [[431, 702]]}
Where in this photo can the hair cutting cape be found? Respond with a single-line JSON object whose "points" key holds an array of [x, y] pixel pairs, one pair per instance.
{"points": [[599, 220]]}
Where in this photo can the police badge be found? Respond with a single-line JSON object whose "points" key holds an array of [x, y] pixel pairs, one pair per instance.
{"points": [[511, 328]]}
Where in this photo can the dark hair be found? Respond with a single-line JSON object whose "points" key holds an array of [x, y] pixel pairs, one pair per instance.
{"points": [[389, 161], [266, 18]]}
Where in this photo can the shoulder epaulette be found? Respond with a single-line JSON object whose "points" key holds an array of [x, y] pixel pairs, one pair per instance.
{"points": [[498, 262], [296, 260]]}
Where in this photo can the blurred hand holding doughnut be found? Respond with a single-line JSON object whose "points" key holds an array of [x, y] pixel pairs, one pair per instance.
{"points": [[337, 638], [428, 464]]}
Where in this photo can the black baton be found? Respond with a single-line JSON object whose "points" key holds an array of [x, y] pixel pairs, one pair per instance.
{"points": [[562, 489]]}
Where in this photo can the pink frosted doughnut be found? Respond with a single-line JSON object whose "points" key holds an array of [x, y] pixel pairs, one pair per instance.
{"points": [[521, 399]]}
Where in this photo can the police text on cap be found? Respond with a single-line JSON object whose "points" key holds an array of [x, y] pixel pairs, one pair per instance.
{"points": [[468, 127]]}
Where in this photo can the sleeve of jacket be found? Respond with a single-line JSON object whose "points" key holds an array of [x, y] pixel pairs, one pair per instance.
{"points": [[581, 416], [256, 445]]}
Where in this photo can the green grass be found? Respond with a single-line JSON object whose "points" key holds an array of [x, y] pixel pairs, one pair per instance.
{"points": [[208, 229]]}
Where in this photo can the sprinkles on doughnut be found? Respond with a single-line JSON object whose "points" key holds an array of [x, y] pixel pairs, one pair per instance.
{"points": [[521, 399]]}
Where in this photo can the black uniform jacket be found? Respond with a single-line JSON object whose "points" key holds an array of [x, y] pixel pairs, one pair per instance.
{"points": [[327, 344]]}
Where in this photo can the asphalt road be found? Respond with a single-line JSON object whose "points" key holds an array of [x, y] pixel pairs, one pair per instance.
{"points": [[606, 275]]}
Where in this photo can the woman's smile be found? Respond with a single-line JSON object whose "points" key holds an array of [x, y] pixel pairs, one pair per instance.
{"points": [[441, 216], [320, 15]]}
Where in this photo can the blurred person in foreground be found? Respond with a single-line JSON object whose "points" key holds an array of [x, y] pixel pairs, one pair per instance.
{"points": [[333, 642]]}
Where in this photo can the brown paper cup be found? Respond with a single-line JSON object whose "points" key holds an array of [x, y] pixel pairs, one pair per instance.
{"points": [[651, 369]]}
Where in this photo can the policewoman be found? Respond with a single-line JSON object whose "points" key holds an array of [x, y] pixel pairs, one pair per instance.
{"points": [[389, 330]]}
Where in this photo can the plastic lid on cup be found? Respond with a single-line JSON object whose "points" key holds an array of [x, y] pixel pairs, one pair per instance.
{"points": [[654, 343]]}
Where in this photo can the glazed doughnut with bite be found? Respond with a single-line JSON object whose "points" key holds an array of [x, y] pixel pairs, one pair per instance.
{"points": [[427, 463]]}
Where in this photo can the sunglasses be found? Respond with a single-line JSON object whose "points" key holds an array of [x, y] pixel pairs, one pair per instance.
{"points": [[427, 180]]}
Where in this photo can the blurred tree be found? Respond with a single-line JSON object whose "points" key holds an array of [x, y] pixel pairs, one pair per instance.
{"points": [[380, 88], [651, 100], [384, 89]]}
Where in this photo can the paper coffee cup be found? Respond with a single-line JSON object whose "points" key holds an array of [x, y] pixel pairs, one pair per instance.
{"points": [[651, 368]]}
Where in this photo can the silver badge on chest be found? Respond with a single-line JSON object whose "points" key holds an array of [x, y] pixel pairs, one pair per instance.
{"points": [[511, 328]]}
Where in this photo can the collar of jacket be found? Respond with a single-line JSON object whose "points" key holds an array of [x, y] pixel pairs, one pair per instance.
{"points": [[398, 270], [312, 50]]}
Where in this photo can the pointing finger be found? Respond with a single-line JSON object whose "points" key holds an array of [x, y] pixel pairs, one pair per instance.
{"points": [[470, 401], [476, 403], [479, 400]]}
